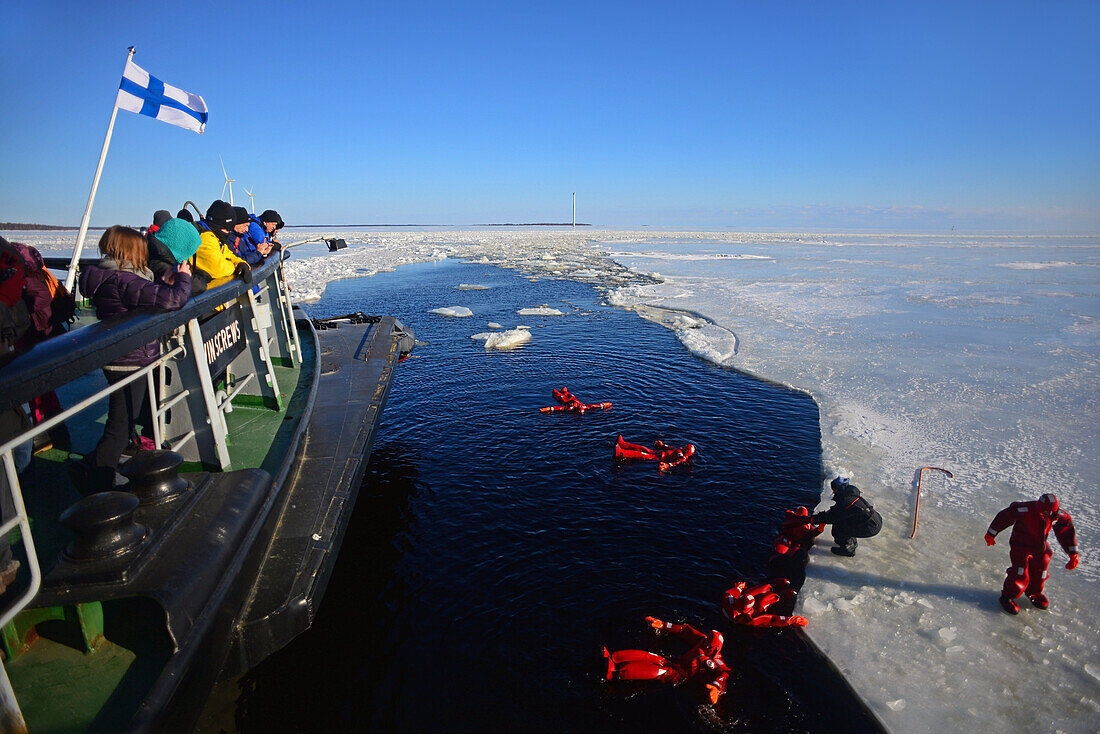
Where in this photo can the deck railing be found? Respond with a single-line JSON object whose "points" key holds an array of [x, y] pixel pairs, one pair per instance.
{"points": [[182, 380]]}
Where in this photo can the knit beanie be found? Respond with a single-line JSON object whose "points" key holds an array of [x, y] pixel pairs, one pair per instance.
{"points": [[180, 237], [240, 215], [185, 213], [160, 216], [272, 216], [220, 216]]}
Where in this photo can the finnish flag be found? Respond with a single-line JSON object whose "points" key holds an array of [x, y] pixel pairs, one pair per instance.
{"points": [[144, 94]]}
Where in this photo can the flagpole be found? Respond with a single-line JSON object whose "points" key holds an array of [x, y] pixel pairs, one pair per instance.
{"points": [[70, 278]]}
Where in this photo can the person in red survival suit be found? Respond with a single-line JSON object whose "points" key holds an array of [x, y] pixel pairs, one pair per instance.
{"points": [[1028, 548], [570, 403], [749, 606], [796, 533], [703, 663], [666, 456]]}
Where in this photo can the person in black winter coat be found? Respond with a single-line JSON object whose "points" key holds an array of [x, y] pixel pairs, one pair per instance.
{"points": [[121, 283], [851, 517]]}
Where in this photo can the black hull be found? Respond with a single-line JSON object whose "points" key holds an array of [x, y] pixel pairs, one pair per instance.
{"points": [[269, 590]]}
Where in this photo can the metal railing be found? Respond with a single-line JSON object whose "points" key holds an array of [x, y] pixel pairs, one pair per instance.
{"points": [[203, 435]]}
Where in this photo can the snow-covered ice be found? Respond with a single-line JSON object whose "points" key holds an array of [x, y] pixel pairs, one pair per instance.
{"points": [[539, 311], [454, 311], [509, 339], [978, 354]]}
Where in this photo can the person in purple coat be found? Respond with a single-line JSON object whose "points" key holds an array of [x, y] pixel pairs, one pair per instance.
{"points": [[118, 284]]}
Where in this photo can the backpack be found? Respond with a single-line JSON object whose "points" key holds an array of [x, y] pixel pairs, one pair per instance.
{"points": [[51, 306], [14, 320], [62, 303]]}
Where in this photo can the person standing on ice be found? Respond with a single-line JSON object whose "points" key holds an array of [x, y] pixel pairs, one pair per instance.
{"points": [[1028, 548], [851, 517]]}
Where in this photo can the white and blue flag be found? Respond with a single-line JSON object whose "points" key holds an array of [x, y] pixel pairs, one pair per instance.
{"points": [[144, 94]]}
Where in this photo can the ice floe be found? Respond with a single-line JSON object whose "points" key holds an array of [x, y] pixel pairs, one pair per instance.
{"points": [[455, 311], [509, 339]]}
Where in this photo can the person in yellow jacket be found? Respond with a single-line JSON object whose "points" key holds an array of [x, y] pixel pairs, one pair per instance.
{"points": [[214, 258]]}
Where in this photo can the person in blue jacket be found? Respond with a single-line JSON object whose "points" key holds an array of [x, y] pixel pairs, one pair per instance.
{"points": [[242, 245], [270, 222]]}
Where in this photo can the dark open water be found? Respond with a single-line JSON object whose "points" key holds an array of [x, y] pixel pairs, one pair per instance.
{"points": [[496, 549]]}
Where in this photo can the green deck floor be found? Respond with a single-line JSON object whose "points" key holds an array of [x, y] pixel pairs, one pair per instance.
{"points": [[61, 688], [259, 436]]}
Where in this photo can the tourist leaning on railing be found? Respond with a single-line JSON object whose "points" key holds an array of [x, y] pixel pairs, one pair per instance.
{"points": [[261, 231], [240, 242], [174, 243], [214, 259], [118, 284]]}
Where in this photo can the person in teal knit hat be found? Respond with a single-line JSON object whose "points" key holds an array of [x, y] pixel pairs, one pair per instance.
{"points": [[175, 242]]}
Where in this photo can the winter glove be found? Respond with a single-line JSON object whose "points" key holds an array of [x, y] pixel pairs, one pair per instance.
{"points": [[655, 623], [1074, 559], [243, 272], [713, 693], [797, 621], [989, 539]]}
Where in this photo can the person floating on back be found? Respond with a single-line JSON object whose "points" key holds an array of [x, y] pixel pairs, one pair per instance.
{"points": [[1028, 548], [666, 456], [702, 664], [752, 606], [570, 403], [851, 517]]}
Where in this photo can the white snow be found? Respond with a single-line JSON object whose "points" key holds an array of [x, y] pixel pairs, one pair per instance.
{"points": [[454, 311], [471, 287], [493, 325], [978, 354]]}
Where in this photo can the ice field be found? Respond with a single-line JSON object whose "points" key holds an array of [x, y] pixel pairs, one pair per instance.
{"points": [[979, 355]]}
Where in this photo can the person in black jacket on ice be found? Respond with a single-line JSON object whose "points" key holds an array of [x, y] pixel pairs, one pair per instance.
{"points": [[851, 517]]}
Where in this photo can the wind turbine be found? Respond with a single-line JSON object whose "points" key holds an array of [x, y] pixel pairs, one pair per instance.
{"points": [[228, 182], [251, 200]]}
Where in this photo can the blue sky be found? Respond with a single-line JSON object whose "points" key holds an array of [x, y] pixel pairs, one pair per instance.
{"points": [[906, 116]]}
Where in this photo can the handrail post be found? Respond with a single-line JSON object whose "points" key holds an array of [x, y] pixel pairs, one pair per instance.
{"points": [[214, 416]]}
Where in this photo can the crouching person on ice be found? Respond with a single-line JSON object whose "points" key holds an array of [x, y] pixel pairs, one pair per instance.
{"points": [[1028, 549], [702, 665], [851, 517]]}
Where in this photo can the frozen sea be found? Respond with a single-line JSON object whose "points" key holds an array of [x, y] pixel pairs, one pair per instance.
{"points": [[977, 354]]}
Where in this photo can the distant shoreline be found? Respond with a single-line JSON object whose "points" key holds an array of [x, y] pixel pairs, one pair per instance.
{"points": [[497, 224], [24, 227]]}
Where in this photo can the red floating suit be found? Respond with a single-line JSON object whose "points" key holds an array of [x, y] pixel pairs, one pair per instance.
{"points": [[1028, 549], [667, 457], [570, 404], [749, 606], [702, 664], [796, 533]]}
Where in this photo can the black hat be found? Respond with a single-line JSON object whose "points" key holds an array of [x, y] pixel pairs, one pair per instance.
{"points": [[272, 216], [240, 215], [160, 216], [221, 216], [185, 213]]}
